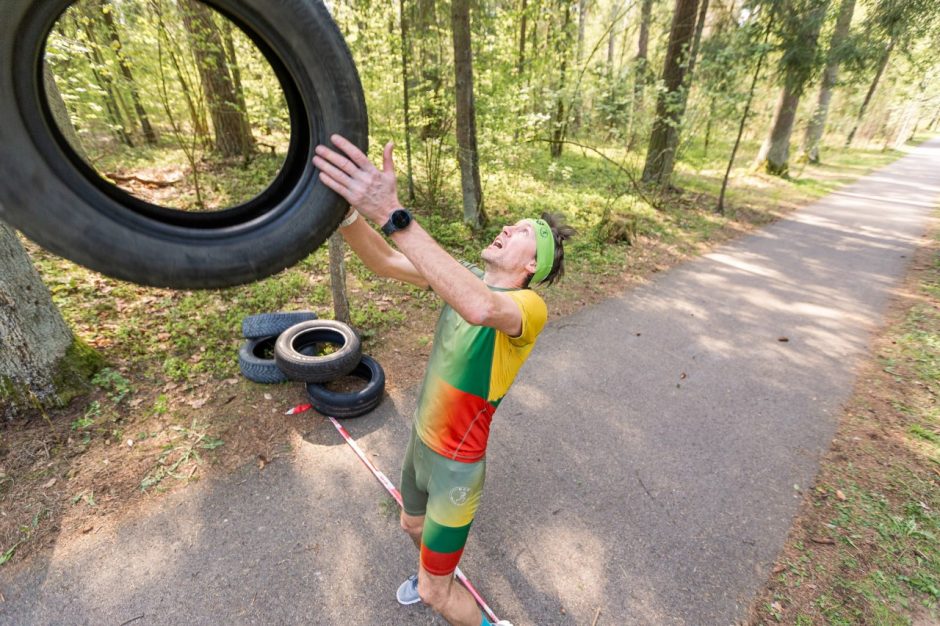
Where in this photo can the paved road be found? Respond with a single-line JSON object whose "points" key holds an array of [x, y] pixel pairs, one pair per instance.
{"points": [[644, 463]]}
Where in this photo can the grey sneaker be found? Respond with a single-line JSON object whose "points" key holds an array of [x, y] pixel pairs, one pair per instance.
{"points": [[408, 591]]}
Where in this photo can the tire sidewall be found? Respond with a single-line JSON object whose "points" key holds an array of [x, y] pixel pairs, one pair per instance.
{"points": [[317, 369], [338, 404]]}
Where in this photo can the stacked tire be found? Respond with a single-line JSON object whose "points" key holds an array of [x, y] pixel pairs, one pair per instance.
{"points": [[298, 346]]}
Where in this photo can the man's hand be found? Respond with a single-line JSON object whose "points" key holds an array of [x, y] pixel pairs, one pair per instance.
{"points": [[374, 193]]}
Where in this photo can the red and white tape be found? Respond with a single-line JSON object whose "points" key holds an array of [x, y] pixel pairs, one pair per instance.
{"points": [[390, 487]]}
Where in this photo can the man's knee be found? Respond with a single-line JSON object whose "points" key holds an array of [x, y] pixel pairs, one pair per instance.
{"points": [[412, 525]]}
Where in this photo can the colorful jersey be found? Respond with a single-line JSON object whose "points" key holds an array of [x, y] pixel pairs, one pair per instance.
{"points": [[470, 370]]}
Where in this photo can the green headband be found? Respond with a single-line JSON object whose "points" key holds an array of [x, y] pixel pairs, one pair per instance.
{"points": [[544, 249]]}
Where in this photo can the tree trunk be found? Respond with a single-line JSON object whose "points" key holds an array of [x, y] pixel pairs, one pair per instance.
{"points": [[232, 58], [641, 75], [41, 364], [520, 63], [935, 120], [107, 11], [403, 25], [232, 129], [197, 114], [774, 155], [871, 91], [576, 100], [696, 42], [817, 125], [559, 120], [612, 36], [747, 109], [908, 122], [467, 154], [338, 278], [60, 113], [660, 156], [103, 78], [687, 79]]}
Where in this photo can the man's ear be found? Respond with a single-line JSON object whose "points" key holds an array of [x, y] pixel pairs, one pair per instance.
{"points": [[531, 266]]}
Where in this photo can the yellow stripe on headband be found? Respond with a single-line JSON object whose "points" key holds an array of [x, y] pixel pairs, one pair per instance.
{"points": [[544, 249]]}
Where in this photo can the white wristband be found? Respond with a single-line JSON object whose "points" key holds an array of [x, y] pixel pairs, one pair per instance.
{"points": [[349, 219]]}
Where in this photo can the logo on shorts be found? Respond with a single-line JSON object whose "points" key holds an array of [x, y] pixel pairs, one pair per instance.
{"points": [[458, 495]]}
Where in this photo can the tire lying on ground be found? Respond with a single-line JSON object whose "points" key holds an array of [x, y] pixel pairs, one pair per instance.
{"points": [[289, 347], [273, 324], [257, 367], [352, 404], [56, 199]]}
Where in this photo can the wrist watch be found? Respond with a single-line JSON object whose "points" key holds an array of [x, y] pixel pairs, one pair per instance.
{"points": [[399, 220]]}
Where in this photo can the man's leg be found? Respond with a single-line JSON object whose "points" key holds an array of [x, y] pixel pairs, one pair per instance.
{"points": [[413, 525], [448, 597]]}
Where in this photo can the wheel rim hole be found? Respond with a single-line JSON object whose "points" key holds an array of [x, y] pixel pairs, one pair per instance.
{"points": [[130, 89], [318, 343]]}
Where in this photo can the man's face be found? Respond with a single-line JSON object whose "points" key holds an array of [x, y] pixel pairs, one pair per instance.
{"points": [[513, 249]]}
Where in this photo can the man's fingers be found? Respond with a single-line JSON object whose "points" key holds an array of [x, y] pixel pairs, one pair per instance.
{"points": [[387, 164], [351, 150], [335, 186], [334, 172], [338, 160]]}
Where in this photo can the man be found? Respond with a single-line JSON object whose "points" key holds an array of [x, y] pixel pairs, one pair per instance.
{"points": [[488, 327]]}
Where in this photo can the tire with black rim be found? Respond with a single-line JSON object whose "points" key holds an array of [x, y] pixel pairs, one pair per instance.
{"points": [[273, 324], [256, 361], [351, 404], [320, 368], [56, 199]]}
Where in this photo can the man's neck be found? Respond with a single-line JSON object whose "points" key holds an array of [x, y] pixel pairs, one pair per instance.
{"points": [[493, 277]]}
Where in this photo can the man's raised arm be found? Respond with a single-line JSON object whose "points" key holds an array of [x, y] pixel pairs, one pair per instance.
{"points": [[374, 193], [377, 255]]}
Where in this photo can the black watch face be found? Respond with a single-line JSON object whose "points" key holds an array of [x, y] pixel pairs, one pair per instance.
{"points": [[400, 219]]}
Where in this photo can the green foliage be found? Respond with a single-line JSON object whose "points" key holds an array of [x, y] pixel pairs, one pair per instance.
{"points": [[114, 383]]}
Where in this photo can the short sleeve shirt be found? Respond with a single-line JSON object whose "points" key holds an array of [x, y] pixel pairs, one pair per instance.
{"points": [[469, 373]]}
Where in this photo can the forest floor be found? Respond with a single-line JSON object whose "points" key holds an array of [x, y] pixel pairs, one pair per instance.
{"points": [[171, 408]]}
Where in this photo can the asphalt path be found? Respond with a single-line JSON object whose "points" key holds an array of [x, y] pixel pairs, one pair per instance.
{"points": [[647, 464]]}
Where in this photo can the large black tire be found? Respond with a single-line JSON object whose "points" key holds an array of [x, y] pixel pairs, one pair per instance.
{"points": [[290, 345], [57, 200], [273, 324], [338, 404]]}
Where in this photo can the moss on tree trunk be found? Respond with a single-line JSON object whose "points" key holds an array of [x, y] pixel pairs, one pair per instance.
{"points": [[70, 379]]}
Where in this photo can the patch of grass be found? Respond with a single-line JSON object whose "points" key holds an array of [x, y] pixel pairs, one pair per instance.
{"points": [[88, 419], [113, 383], [181, 450]]}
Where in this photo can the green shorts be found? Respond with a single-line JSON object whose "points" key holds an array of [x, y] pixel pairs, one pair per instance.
{"points": [[447, 493]]}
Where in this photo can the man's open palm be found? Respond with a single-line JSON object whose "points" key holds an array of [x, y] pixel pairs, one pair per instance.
{"points": [[349, 173]]}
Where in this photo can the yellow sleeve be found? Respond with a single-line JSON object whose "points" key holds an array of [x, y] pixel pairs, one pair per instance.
{"points": [[534, 315]]}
